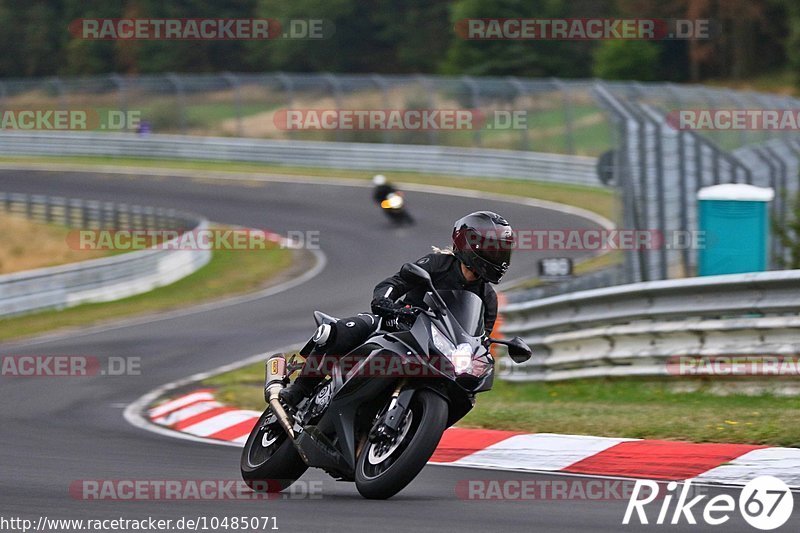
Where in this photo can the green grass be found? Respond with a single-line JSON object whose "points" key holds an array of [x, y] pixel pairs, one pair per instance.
{"points": [[596, 199], [228, 273], [243, 387], [783, 82], [650, 409]]}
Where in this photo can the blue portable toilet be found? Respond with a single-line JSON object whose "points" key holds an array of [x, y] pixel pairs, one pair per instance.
{"points": [[735, 220]]}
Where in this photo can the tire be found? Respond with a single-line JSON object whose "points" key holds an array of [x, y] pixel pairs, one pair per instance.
{"points": [[274, 467], [427, 424]]}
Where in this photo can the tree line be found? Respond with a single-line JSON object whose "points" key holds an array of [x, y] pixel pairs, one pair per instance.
{"points": [[406, 36]]}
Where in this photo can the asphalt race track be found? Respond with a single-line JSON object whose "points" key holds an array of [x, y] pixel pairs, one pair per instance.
{"points": [[55, 431]]}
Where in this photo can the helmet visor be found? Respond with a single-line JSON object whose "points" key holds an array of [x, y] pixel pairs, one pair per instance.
{"points": [[492, 247]]}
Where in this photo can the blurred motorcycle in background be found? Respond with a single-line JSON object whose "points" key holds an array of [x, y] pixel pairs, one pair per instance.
{"points": [[391, 201]]}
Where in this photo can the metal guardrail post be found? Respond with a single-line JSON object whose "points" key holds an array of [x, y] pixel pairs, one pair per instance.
{"points": [[566, 100], [475, 104], [288, 87], [715, 167], [180, 98], [122, 89], [683, 198], [660, 203], [233, 80], [383, 87], [624, 172], [425, 81], [519, 88], [56, 82], [774, 245], [782, 190], [149, 217], [84, 213], [336, 89], [741, 102], [653, 117], [641, 189]]}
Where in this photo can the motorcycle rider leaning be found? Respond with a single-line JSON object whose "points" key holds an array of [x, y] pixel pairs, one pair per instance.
{"points": [[382, 188], [480, 256]]}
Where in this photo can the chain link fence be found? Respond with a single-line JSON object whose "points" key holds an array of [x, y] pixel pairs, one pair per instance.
{"points": [[659, 166], [559, 116]]}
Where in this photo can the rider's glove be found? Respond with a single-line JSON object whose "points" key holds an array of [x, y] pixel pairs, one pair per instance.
{"points": [[394, 312], [385, 307], [407, 314]]}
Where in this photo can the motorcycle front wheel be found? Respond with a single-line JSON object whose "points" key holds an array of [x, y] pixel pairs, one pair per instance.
{"points": [[270, 462], [385, 468]]}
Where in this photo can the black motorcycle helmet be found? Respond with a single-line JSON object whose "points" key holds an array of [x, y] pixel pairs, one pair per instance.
{"points": [[483, 242]]}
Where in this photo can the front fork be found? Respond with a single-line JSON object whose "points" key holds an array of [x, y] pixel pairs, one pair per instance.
{"points": [[388, 426]]}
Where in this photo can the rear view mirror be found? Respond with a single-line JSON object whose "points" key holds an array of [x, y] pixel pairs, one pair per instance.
{"points": [[415, 271], [518, 351]]}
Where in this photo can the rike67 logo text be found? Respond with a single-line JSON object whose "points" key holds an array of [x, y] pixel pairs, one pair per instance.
{"points": [[765, 503]]}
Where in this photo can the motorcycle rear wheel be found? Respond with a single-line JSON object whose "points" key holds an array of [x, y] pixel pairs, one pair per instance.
{"points": [[270, 462], [383, 470]]}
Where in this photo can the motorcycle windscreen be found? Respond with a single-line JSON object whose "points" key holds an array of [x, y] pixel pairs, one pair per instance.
{"points": [[467, 309]]}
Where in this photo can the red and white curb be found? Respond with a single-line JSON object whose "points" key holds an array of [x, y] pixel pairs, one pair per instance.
{"points": [[200, 415]]}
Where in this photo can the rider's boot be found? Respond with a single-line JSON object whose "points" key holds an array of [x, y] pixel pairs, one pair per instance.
{"points": [[303, 386]]}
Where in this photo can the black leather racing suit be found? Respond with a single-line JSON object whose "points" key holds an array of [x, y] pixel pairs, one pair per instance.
{"points": [[445, 271]]}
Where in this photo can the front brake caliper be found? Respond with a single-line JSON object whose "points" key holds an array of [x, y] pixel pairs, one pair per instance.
{"points": [[388, 425]]}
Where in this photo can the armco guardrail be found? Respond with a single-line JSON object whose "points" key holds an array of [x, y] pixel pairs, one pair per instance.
{"points": [[635, 330], [96, 280], [342, 155]]}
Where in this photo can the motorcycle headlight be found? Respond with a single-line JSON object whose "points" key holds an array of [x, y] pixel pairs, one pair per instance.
{"points": [[393, 201], [460, 356]]}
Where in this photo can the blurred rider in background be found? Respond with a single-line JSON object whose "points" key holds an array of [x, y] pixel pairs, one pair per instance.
{"points": [[382, 188], [391, 201]]}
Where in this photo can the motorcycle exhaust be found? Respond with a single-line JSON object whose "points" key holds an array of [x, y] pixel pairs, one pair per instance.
{"points": [[273, 384]]}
